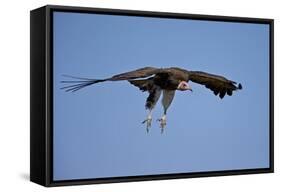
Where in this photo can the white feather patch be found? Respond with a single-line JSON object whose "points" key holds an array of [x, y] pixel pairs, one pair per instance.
{"points": [[157, 95], [168, 96]]}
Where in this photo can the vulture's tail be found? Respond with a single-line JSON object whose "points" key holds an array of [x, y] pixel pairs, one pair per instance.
{"points": [[78, 83]]}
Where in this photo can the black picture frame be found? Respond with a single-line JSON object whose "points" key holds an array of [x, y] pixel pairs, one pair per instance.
{"points": [[41, 101]]}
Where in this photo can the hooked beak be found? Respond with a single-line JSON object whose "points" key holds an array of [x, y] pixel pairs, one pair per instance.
{"points": [[188, 87]]}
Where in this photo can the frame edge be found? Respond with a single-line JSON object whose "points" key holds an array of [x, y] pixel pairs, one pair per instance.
{"points": [[37, 96]]}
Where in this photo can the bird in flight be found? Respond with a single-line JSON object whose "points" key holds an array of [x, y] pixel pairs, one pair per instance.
{"points": [[157, 81]]}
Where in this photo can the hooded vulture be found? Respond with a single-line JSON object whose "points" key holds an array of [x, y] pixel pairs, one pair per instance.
{"points": [[157, 81]]}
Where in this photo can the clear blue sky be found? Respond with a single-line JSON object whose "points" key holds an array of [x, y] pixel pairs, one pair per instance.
{"points": [[98, 131]]}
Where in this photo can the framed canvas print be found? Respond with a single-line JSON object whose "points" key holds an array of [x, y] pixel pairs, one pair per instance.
{"points": [[120, 95]]}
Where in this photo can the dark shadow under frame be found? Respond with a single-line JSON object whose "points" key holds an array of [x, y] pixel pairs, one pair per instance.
{"points": [[41, 100]]}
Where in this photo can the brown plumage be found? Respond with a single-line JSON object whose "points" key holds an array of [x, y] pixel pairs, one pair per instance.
{"points": [[166, 78], [155, 80]]}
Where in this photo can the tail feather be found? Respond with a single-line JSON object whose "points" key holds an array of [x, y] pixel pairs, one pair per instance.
{"points": [[79, 83]]}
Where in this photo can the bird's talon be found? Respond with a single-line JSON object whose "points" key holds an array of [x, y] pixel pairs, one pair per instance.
{"points": [[162, 123], [148, 123]]}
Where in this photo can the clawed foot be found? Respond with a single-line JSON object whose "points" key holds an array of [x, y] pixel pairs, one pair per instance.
{"points": [[163, 123], [148, 123]]}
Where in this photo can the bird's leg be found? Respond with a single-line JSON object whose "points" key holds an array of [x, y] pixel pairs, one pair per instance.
{"points": [[163, 122], [167, 99], [148, 121]]}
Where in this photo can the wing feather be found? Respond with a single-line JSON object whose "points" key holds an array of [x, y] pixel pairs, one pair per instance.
{"points": [[79, 82], [218, 84]]}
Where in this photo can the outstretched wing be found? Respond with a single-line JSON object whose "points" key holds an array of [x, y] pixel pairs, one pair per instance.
{"points": [[79, 83], [218, 84]]}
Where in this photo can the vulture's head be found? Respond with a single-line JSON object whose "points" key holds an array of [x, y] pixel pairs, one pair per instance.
{"points": [[183, 86]]}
